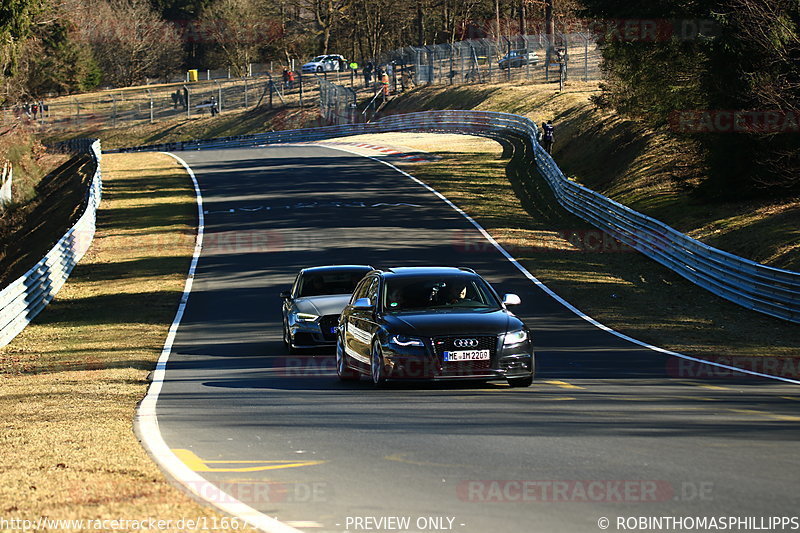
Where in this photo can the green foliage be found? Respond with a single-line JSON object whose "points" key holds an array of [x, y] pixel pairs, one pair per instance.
{"points": [[62, 64], [750, 62]]}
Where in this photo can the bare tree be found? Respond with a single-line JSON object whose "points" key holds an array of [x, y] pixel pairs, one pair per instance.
{"points": [[131, 42], [240, 29]]}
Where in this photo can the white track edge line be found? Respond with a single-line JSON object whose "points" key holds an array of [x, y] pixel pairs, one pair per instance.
{"points": [[549, 291], [146, 420]]}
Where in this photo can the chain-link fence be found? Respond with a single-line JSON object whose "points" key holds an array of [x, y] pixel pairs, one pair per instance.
{"points": [[123, 107], [142, 105], [337, 103], [518, 58]]}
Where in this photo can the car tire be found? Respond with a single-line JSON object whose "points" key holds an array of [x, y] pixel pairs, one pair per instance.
{"points": [[521, 382], [377, 369], [344, 372], [287, 340], [319, 69]]}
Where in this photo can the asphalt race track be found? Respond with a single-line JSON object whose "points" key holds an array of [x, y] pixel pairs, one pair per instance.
{"points": [[608, 429]]}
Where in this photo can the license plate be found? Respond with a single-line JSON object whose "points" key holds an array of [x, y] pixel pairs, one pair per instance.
{"points": [[467, 355]]}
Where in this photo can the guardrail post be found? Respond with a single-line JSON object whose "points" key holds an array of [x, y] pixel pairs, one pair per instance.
{"points": [[150, 97], [187, 96], [219, 96], [113, 111], [300, 80], [585, 58]]}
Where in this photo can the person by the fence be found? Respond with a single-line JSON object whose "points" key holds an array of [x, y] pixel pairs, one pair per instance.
{"points": [[548, 131], [292, 79], [214, 107], [286, 78], [35, 110], [385, 84], [368, 73]]}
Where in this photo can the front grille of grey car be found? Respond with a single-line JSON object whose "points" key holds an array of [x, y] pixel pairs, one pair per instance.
{"points": [[326, 323]]}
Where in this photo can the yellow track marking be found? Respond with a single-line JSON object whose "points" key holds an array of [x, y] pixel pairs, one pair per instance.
{"points": [[787, 418], [564, 385], [401, 458], [191, 460], [705, 385]]}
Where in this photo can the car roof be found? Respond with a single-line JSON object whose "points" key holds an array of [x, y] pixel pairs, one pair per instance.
{"points": [[339, 268], [425, 271]]}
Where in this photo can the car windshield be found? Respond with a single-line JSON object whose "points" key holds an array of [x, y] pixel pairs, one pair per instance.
{"points": [[318, 59], [329, 282], [437, 292]]}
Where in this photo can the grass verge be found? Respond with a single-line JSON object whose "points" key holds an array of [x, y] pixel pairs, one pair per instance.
{"points": [[228, 123], [617, 286], [71, 381], [652, 172]]}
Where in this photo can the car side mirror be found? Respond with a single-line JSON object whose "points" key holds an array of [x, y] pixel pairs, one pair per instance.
{"points": [[286, 295], [511, 299], [362, 304]]}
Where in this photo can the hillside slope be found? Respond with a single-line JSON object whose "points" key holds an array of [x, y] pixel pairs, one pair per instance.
{"points": [[649, 171]]}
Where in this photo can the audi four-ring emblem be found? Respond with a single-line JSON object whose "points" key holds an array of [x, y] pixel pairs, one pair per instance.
{"points": [[465, 343]]}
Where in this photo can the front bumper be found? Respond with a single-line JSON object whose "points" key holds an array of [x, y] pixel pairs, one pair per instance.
{"points": [[423, 364], [311, 334]]}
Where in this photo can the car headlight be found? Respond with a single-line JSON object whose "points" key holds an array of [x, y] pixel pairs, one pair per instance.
{"points": [[305, 317], [402, 340], [515, 337]]}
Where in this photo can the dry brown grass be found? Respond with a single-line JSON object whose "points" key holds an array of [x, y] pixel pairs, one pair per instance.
{"points": [[649, 171], [71, 381]]}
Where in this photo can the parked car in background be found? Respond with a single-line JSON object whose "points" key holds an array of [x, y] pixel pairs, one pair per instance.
{"points": [[325, 63], [518, 58], [311, 308], [432, 323]]}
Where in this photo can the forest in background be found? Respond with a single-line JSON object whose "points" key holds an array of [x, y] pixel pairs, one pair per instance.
{"points": [[731, 84]]}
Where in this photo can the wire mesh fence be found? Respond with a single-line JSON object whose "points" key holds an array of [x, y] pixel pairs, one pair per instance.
{"points": [[337, 103], [517, 58], [151, 104], [522, 58]]}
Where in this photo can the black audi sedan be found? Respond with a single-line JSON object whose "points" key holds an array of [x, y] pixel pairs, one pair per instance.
{"points": [[432, 323]]}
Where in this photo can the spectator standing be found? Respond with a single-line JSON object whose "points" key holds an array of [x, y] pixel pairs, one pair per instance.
{"points": [[385, 84], [548, 131], [291, 79], [286, 78], [368, 68], [214, 107]]}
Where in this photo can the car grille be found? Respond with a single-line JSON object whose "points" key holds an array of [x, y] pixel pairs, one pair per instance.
{"points": [[326, 323], [443, 344]]}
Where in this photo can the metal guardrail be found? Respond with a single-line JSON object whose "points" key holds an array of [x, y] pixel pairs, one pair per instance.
{"points": [[762, 288], [26, 296]]}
